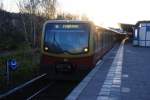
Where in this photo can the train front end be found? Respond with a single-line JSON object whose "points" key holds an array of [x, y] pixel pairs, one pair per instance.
{"points": [[66, 47]]}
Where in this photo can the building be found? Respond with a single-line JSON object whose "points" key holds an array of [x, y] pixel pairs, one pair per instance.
{"points": [[141, 35]]}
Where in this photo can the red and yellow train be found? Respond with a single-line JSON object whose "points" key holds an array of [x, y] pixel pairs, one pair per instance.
{"points": [[72, 46]]}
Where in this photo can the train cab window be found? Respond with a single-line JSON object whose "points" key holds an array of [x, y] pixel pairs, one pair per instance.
{"points": [[67, 38]]}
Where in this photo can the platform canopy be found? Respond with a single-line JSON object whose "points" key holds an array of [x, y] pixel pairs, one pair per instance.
{"points": [[139, 22], [127, 27]]}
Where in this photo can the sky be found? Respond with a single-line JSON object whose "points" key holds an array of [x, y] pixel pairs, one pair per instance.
{"points": [[102, 12]]}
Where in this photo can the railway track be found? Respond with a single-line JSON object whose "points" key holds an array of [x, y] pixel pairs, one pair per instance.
{"points": [[26, 90], [57, 91], [40, 88], [34, 95]]}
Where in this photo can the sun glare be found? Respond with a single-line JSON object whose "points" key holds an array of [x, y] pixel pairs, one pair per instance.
{"points": [[103, 12], [95, 11], [103, 21]]}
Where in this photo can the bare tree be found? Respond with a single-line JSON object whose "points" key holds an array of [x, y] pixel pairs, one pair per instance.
{"points": [[49, 8], [22, 10], [29, 7], [45, 8]]}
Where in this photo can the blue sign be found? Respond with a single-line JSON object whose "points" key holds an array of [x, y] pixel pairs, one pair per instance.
{"points": [[12, 64]]}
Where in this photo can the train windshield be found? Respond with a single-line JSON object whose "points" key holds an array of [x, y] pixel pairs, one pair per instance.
{"points": [[66, 38]]}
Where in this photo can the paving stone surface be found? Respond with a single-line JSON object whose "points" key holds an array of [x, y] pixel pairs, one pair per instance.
{"points": [[136, 66], [91, 92], [123, 76]]}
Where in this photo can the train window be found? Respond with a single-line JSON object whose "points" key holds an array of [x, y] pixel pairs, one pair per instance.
{"points": [[96, 41], [104, 39], [67, 38], [100, 39]]}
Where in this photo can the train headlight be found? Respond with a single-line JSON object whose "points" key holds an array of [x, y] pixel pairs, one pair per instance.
{"points": [[46, 48], [86, 50]]}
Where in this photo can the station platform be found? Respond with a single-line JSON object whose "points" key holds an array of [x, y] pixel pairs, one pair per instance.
{"points": [[123, 74]]}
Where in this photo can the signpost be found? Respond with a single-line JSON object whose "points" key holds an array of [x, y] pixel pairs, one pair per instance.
{"points": [[11, 65], [7, 72]]}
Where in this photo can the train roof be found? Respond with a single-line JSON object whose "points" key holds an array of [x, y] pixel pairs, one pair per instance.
{"points": [[80, 21], [106, 28], [67, 21]]}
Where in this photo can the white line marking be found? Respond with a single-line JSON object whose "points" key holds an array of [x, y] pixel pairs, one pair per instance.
{"points": [[78, 90], [21, 86], [113, 78]]}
